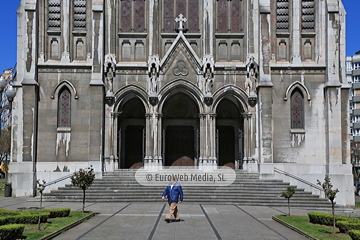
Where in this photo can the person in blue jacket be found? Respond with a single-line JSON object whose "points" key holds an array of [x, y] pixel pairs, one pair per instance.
{"points": [[173, 191]]}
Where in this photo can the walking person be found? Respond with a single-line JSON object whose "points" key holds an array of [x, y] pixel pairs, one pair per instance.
{"points": [[173, 191]]}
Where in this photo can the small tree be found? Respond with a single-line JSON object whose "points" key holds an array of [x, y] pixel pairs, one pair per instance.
{"points": [[330, 194], [5, 148], [40, 188], [83, 179], [288, 194]]}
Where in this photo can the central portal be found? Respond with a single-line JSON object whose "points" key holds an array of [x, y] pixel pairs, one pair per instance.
{"points": [[179, 143], [180, 131]]}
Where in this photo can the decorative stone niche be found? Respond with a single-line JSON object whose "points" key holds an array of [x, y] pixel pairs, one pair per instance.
{"points": [[125, 50], [229, 48], [235, 51], [80, 48], [308, 49], [54, 48], [139, 51], [222, 51], [132, 47], [283, 50]]}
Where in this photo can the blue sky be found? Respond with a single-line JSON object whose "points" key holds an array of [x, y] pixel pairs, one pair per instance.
{"points": [[8, 30]]}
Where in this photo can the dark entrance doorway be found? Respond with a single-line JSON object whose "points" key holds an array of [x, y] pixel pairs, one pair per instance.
{"points": [[133, 145], [229, 124], [131, 133], [180, 130], [226, 145], [179, 142]]}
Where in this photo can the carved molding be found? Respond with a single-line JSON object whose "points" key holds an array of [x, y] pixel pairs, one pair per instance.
{"points": [[295, 85], [67, 84]]}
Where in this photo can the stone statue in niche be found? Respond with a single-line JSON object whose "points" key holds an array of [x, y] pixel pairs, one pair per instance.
{"points": [[109, 70], [252, 72], [153, 80], [206, 84], [153, 71], [208, 80]]}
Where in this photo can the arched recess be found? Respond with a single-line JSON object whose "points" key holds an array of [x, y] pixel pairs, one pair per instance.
{"points": [[237, 93], [130, 109], [128, 92], [229, 132], [183, 86], [234, 131], [65, 83], [180, 103], [301, 87]]}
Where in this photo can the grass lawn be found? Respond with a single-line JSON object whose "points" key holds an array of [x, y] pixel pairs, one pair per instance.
{"points": [[357, 204], [317, 231], [53, 224], [2, 186]]}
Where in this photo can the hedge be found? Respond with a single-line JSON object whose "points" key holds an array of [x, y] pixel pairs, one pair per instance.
{"points": [[24, 218], [4, 212], [54, 213], [326, 219], [12, 231], [346, 226], [354, 234], [31, 216], [59, 212]]}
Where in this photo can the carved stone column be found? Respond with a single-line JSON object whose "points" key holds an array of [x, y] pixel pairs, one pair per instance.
{"points": [[148, 141], [202, 138], [212, 140], [158, 153]]}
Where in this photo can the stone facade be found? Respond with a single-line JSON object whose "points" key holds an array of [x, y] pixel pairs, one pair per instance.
{"points": [[252, 84]]}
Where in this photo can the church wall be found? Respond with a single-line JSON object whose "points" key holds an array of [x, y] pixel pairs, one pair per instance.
{"points": [[52, 143], [291, 145]]}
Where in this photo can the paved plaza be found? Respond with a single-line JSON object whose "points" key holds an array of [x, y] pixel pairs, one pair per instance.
{"points": [[137, 221]]}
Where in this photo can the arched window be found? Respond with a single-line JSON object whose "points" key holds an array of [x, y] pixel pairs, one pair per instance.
{"points": [[297, 109], [64, 108]]}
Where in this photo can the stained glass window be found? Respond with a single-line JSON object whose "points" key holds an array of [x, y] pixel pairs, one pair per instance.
{"points": [[297, 109], [222, 16], [132, 15], [188, 8], [64, 108], [229, 16]]}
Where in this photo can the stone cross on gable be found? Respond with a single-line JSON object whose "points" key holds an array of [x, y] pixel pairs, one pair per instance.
{"points": [[180, 20]]}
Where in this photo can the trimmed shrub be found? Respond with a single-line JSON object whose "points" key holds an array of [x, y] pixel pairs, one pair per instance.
{"points": [[354, 234], [326, 219], [346, 226], [24, 218], [4, 212], [58, 213], [54, 213], [12, 231]]}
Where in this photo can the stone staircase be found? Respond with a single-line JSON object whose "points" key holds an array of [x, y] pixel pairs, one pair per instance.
{"points": [[248, 189]]}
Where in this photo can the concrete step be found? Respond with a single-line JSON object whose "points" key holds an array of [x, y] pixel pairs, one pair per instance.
{"points": [[248, 189]]}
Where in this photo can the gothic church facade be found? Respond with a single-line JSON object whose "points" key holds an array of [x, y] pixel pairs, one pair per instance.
{"points": [[257, 85]]}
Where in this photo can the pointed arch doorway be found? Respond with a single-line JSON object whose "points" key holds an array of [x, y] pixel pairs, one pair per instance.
{"points": [[131, 134], [229, 133], [180, 130]]}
